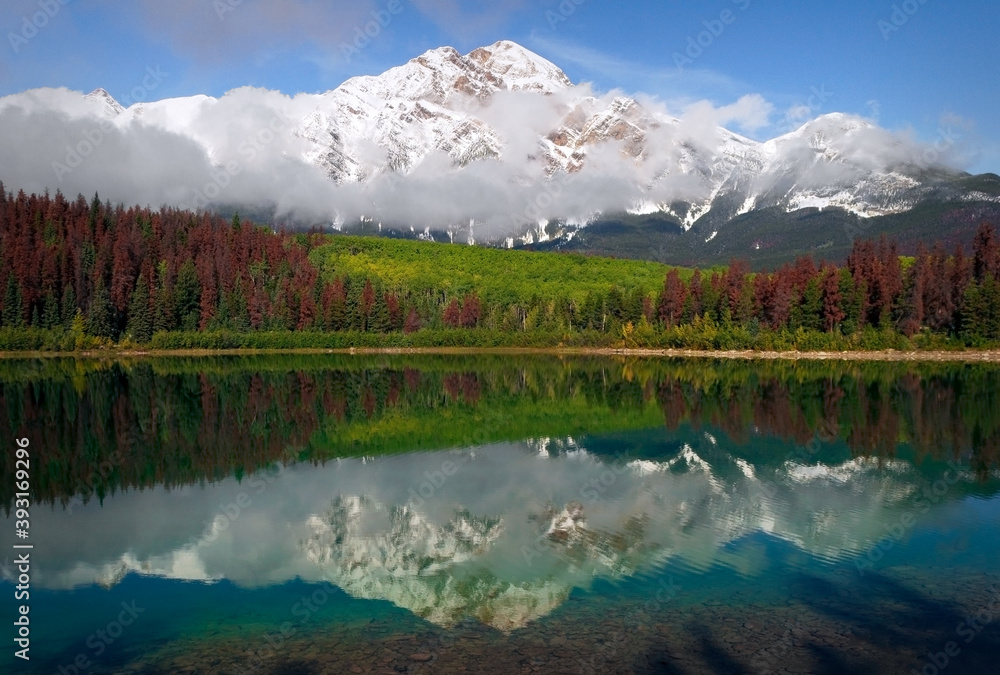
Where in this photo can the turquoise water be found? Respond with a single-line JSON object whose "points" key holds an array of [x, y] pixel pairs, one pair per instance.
{"points": [[704, 544]]}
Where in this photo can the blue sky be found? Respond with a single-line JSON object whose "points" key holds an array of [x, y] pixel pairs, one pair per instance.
{"points": [[927, 66]]}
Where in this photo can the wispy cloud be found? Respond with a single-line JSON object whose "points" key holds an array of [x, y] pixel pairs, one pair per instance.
{"points": [[686, 92], [470, 19], [233, 30], [664, 80]]}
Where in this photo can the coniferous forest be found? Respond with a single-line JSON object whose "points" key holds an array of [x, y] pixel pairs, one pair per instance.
{"points": [[84, 274]]}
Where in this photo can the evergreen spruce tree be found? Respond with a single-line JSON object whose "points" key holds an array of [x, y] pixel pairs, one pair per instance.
{"points": [[187, 297], [101, 316], [239, 316], [140, 322], [13, 312], [69, 307], [50, 310]]}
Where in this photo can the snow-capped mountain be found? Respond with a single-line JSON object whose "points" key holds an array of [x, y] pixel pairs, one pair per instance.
{"points": [[506, 539], [498, 141]]}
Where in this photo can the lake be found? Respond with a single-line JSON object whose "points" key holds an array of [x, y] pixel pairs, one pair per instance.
{"points": [[503, 514]]}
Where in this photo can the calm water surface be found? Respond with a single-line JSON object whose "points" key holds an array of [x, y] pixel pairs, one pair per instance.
{"points": [[327, 514]]}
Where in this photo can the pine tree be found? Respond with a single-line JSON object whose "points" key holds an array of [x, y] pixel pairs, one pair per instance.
{"points": [[961, 274], [694, 306], [911, 304], [379, 319], [239, 318], [831, 300], [634, 307], [100, 321], [810, 308], [736, 291], [187, 296], [334, 306], [672, 299], [991, 299], [853, 303], [986, 253], [140, 322], [69, 307], [939, 310], [395, 311], [412, 323], [50, 310], [13, 310], [616, 304], [366, 303], [981, 310], [452, 316], [974, 312]]}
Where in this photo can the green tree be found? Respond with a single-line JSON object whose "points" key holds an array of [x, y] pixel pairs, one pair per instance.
{"points": [[140, 321], [100, 321], [810, 308], [187, 297], [69, 307], [50, 310], [852, 302], [981, 311], [13, 310]]}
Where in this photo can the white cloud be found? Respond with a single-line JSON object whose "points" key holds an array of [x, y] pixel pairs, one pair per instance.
{"points": [[249, 148]]}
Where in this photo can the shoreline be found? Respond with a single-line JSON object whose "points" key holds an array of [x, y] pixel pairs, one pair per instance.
{"points": [[964, 356]]}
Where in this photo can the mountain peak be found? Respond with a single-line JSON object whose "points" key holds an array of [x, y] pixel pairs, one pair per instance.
{"points": [[438, 75], [836, 121], [112, 108], [521, 68]]}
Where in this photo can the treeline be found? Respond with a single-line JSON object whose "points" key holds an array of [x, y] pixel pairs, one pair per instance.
{"points": [[99, 273], [79, 274], [99, 426], [937, 292]]}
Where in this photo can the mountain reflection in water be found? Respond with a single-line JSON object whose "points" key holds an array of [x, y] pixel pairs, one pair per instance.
{"points": [[504, 513], [504, 535]]}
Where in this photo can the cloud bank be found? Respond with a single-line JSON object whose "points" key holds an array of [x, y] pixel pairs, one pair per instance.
{"points": [[251, 149]]}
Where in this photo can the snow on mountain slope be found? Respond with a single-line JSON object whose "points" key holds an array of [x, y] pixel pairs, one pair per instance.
{"points": [[502, 139], [392, 121], [97, 103]]}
